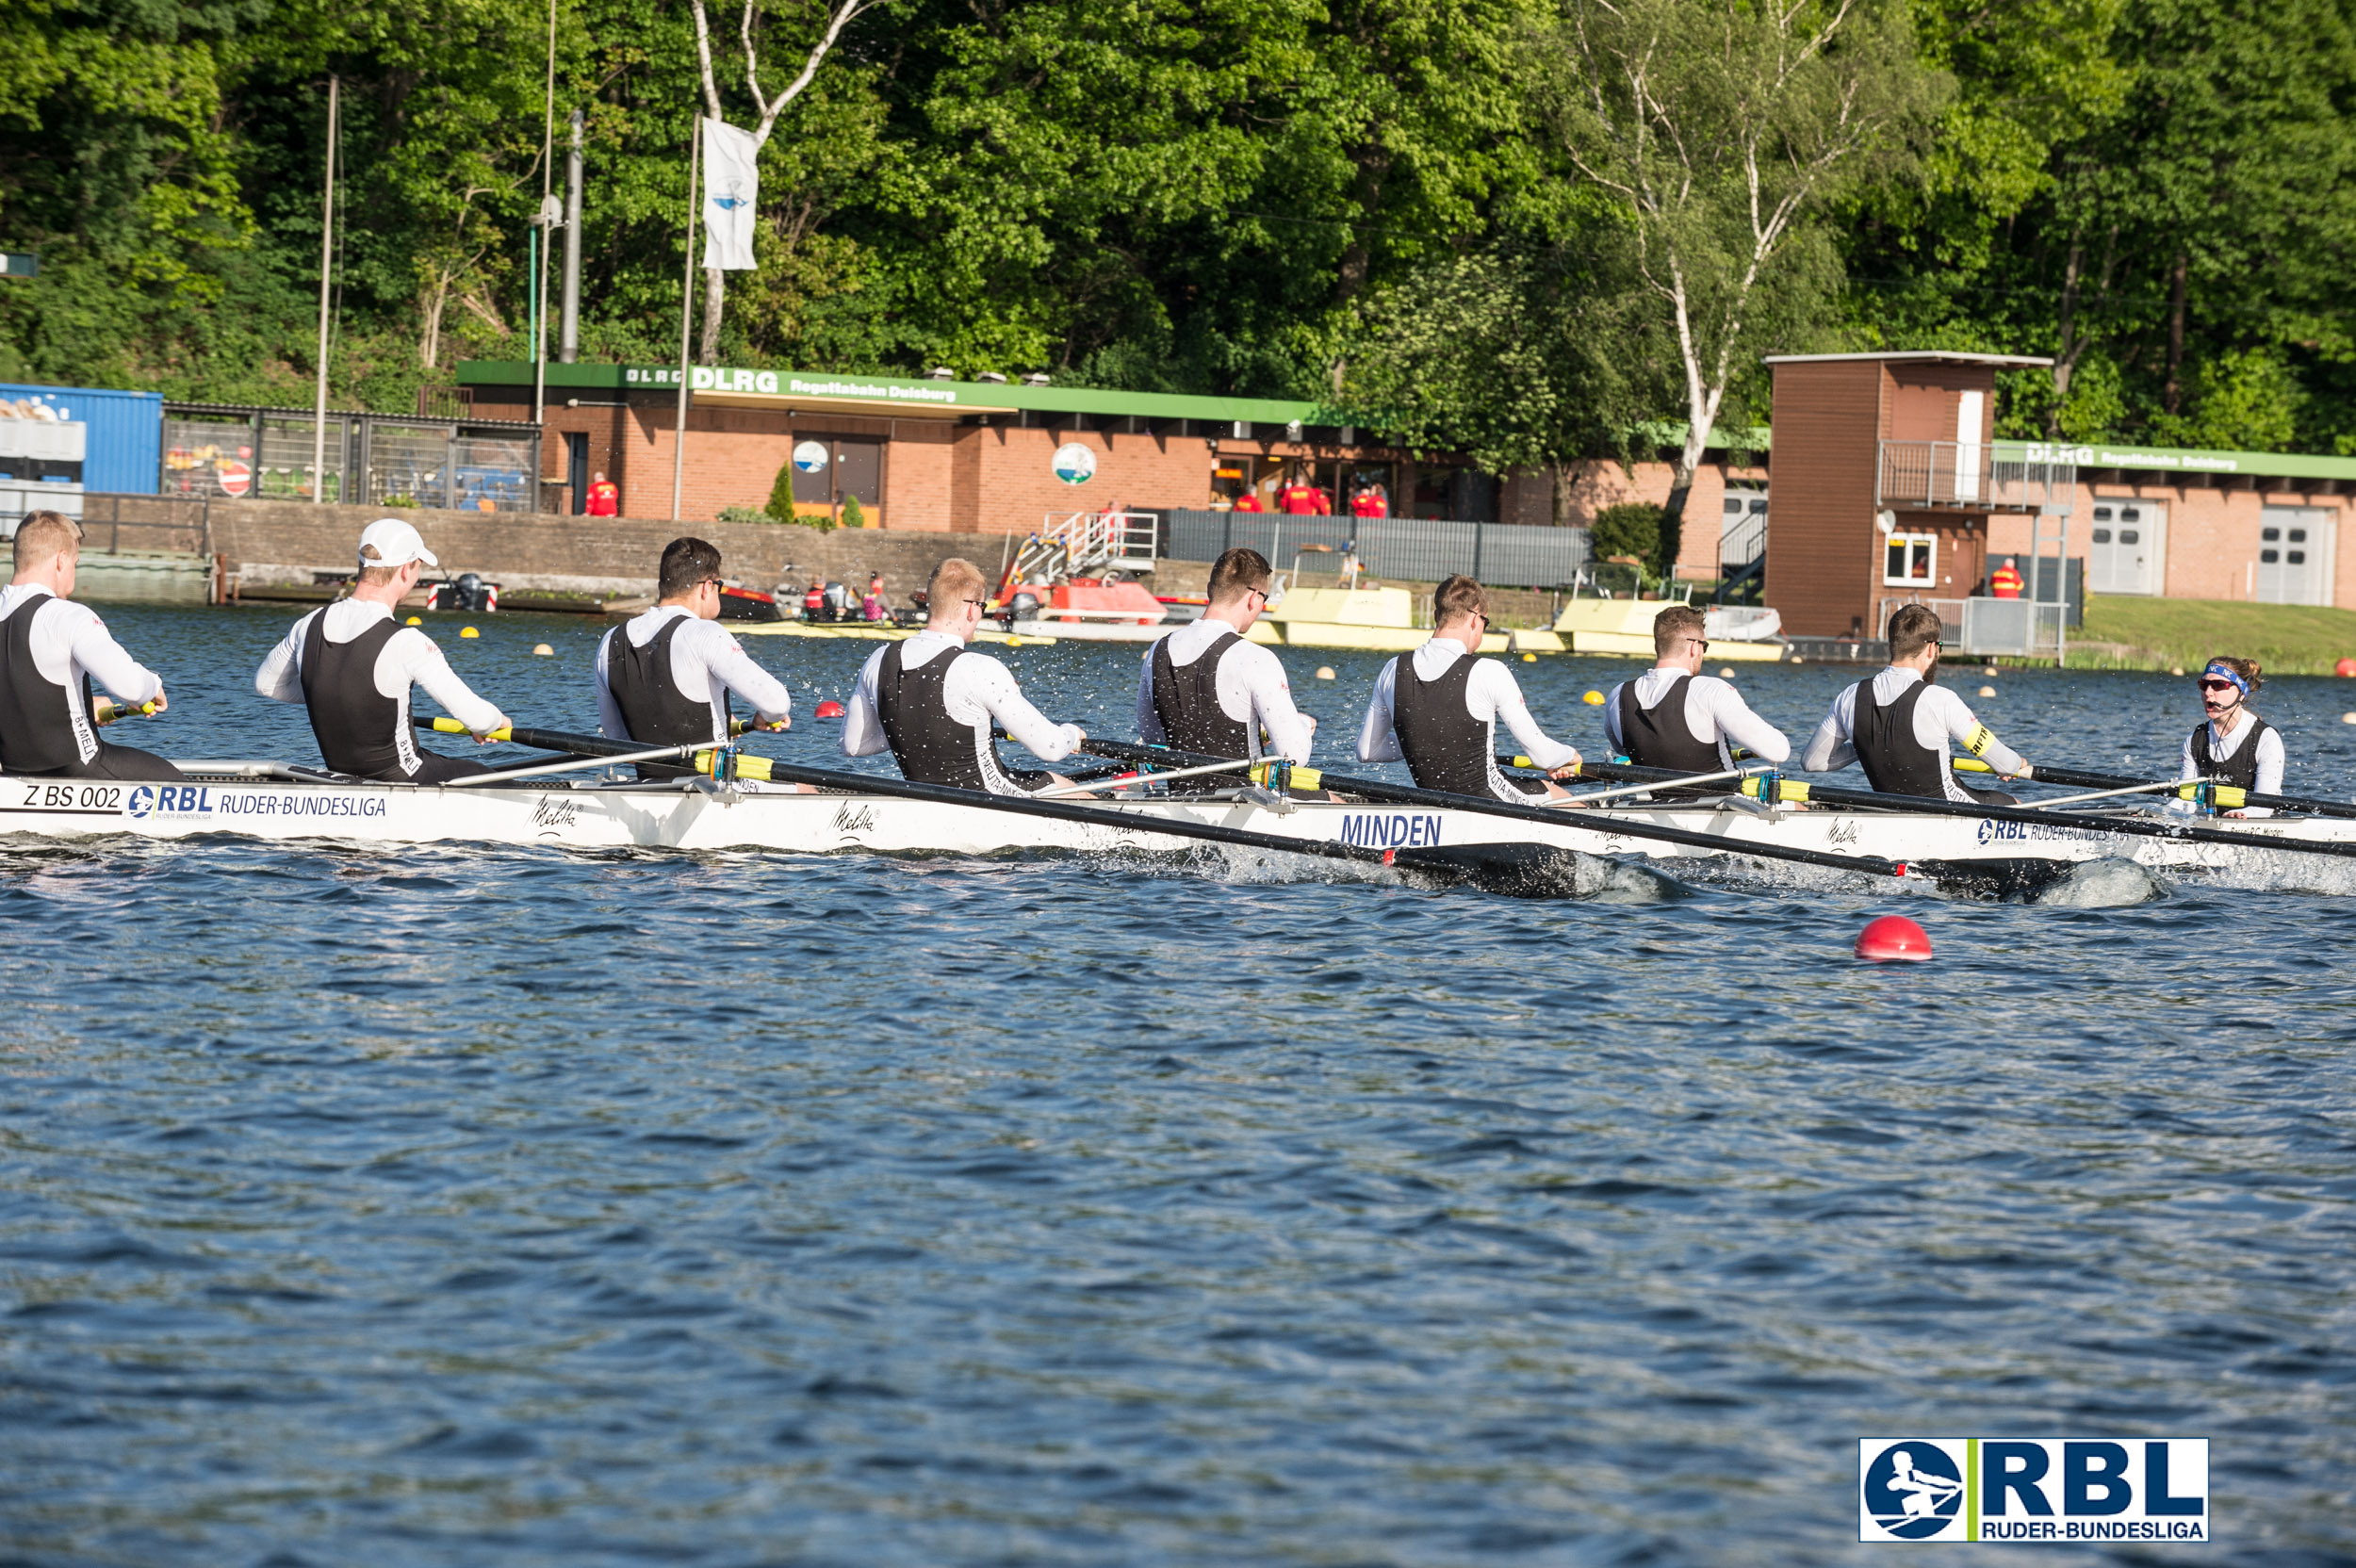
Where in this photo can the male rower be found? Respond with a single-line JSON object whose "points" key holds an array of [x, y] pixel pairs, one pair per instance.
{"points": [[2232, 745], [1898, 725], [51, 651], [1205, 689], [664, 678], [932, 701], [352, 663], [1438, 708], [1673, 716]]}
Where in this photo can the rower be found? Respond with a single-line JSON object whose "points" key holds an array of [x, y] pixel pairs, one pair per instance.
{"points": [[664, 676], [2233, 746], [1898, 725], [1673, 716], [350, 663], [51, 651], [1438, 708], [1206, 690], [932, 701]]}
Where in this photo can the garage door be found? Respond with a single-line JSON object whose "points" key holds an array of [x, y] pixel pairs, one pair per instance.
{"points": [[2295, 547]]}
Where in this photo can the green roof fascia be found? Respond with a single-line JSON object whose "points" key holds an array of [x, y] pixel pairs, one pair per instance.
{"points": [[1043, 399], [2180, 460]]}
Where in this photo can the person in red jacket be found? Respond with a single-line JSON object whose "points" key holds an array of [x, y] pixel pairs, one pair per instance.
{"points": [[1369, 502], [2006, 581], [1248, 501], [1303, 500], [605, 498]]}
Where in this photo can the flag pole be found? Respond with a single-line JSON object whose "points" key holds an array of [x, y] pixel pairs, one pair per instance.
{"points": [[686, 307], [540, 262], [327, 254]]}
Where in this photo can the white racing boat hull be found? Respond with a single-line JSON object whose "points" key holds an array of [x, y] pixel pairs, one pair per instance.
{"points": [[1995, 856]]}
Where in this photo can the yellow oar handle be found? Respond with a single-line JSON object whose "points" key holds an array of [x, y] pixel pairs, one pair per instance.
{"points": [[722, 764], [1970, 764], [448, 726], [1791, 789], [110, 711], [1298, 777], [2225, 797]]}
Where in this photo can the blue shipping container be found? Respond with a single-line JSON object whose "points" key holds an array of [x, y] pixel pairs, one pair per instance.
{"points": [[126, 433]]}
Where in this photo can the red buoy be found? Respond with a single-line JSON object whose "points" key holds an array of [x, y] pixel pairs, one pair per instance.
{"points": [[830, 710], [1894, 938], [2345, 667]]}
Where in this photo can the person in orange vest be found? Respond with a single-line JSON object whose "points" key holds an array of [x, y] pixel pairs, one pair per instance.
{"points": [[1248, 501], [1369, 502], [2006, 582], [1303, 500], [605, 498]]}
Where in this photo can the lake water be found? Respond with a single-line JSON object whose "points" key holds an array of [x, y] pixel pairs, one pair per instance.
{"points": [[450, 1206]]}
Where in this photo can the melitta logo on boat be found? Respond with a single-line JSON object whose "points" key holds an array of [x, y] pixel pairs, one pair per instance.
{"points": [[2041, 1489], [1390, 829], [170, 800]]}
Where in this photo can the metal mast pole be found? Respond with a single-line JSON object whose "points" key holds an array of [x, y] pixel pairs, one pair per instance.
{"points": [[327, 239], [539, 319], [686, 309]]}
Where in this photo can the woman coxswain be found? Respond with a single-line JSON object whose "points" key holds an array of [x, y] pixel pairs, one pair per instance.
{"points": [[2232, 745]]}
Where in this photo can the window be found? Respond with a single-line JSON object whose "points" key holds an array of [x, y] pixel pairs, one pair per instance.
{"points": [[2299, 536], [2267, 558], [2101, 513], [2298, 558], [2131, 515], [1734, 507], [2128, 536], [1758, 508], [1908, 560], [2101, 536], [2270, 534]]}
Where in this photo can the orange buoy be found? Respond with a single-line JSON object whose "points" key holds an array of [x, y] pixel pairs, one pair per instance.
{"points": [[830, 710], [1894, 937], [2345, 667]]}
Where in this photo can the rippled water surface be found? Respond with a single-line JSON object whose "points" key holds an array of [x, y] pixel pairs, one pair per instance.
{"points": [[452, 1205]]}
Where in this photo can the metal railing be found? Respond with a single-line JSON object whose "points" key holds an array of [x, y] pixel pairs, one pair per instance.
{"points": [[1982, 628], [237, 453], [1412, 549], [1997, 476], [1741, 540]]}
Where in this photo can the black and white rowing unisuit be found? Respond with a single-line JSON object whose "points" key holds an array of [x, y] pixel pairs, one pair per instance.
{"points": [[930, 746], [1185, 702], [657, 712], [351, 667], [48, 716], [1660, 736], [2239, 767], [1445, 745]]}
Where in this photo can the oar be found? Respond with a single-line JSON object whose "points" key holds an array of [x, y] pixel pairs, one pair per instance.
{"points": [[1135, 780], [1791, 791], [108, 710], [2225, 797], [1372, 788], [717, 762]]}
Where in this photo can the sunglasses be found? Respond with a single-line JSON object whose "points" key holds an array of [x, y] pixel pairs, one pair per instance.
{"points": [[2219, 686]]}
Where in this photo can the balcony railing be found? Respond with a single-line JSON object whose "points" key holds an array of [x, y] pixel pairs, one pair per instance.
{"points": [[1968, 476]]}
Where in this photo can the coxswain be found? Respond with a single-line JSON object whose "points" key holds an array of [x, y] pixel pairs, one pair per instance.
{"points": [[1899, 727], [1205, 689], [51, 651], [1673, 716], [932, 701], [352, 664], [1438, 708], [2233, 746], [664, 678]]}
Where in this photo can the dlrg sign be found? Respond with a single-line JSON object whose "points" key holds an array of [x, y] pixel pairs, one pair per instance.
{"points": [[2033, 1489]]}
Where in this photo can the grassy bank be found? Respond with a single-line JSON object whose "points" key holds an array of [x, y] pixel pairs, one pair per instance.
{"points": [[2158, 634]]}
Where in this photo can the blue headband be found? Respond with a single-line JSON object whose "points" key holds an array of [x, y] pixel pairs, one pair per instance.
{"points": [[2227, 672]]}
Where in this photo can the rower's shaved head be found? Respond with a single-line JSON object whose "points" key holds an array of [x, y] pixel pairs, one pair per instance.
{"points": [[1672, 625], [953, 583], [1239, 572], [42, 537], [1460, 595]]}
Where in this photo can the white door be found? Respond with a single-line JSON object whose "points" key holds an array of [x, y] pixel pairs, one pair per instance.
{"points": [[1743, 532], [2129, 543], [2295, 551]]}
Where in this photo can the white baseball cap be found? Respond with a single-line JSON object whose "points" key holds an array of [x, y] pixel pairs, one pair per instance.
{"points": [[395, 543]]}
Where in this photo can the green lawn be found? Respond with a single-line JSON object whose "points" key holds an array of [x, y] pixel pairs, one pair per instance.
{"points": [[2160, 634]]}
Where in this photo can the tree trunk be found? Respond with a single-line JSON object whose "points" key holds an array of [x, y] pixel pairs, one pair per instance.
{"points": [[715, 297], [437, 299], [2066, 358], [1563, 472], [2171, 395]]}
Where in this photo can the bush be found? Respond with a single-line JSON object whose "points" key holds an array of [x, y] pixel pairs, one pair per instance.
{"points": [[854, 515], [1632, 528], [781, 495], [744, 514]]}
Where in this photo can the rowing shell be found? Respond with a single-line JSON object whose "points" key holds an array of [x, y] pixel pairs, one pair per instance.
{"points": [[243, 799]]}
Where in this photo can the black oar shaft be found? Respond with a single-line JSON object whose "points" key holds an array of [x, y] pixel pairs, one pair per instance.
{"points": [[1557, 816], [2080, 778]]}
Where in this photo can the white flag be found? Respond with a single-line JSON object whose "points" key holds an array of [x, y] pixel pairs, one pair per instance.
{"points": [[731, 189]]}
